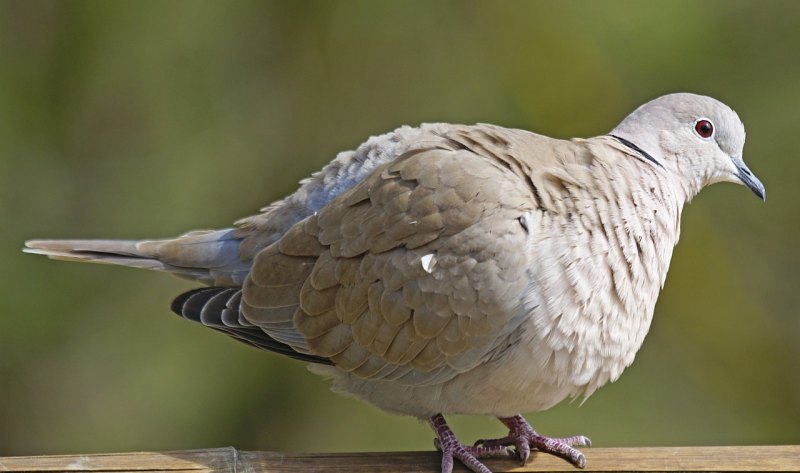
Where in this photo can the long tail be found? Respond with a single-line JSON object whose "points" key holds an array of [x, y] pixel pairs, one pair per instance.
{"points": [[209, 256]]}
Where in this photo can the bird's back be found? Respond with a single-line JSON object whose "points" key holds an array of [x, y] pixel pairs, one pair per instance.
{"points": [[509, 148]]}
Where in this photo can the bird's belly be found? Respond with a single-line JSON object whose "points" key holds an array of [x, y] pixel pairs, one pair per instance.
{"points": [[521, 381], [533, 376], [530, 376]]}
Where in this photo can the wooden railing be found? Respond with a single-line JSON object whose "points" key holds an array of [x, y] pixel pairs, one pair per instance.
{"points": [[689, 459]]}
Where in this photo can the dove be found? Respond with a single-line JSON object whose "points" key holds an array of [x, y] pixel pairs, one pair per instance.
{"points": [[454, 269]]}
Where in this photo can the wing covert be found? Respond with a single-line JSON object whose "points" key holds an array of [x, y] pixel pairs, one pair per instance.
{"points": [[413, 274]]}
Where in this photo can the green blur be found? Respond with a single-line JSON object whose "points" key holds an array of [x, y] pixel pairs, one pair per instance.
{"points": [[147, 119]]}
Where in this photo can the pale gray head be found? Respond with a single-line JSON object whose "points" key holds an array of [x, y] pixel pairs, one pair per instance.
{"points": [[697, 137]]}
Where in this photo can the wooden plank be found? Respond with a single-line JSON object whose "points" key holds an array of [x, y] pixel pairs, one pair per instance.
{"points": [[218, 460], [207, 460]]}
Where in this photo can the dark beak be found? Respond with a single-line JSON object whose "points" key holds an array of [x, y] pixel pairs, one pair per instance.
{"points": [[749, 179]]}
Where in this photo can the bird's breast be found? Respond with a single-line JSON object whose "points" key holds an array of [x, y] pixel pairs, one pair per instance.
{"points": [[594, 280]]}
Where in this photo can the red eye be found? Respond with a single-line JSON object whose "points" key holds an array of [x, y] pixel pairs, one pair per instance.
{"points": [[704, 128]]}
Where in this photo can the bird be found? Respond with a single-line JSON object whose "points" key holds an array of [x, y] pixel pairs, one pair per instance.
{"points": [[460, 269]]}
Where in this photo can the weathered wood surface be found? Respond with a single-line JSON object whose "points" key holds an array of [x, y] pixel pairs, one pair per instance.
{"points": [[764, 458]]}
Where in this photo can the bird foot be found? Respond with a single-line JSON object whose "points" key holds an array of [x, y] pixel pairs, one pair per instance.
{"points": [[524, 438], [452, 448]]}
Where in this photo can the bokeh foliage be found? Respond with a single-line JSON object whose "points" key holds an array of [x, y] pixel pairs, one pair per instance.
{"points": [[150, 118]]}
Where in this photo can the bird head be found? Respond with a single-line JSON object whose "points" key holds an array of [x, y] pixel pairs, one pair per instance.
{"points": [[697, 138]]}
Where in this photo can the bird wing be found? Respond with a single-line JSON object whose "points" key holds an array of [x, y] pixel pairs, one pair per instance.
{"points": [[414, 274]]}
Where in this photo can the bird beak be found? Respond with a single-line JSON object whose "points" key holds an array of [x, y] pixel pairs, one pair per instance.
{"points": [[749, 179]]}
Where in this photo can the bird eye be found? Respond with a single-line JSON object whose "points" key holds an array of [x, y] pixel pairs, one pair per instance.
{"points": [[704, 128]]}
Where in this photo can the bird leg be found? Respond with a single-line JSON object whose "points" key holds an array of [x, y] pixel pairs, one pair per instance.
{"points": [[451, 448], [522, 435]]}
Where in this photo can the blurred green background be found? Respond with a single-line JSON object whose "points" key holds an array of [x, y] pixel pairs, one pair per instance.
{"points": [[147, 119]]}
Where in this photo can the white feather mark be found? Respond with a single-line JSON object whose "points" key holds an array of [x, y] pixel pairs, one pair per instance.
{"points": [[428, 262]]}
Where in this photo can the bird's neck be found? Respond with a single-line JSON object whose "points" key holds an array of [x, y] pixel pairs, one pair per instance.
{"points": [[689, 175]]}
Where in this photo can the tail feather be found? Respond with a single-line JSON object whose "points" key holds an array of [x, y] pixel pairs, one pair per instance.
{"points": [[210, 257], [118, 247], [210, 306], [115, 252]]}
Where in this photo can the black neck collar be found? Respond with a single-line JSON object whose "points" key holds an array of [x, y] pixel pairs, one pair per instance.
{"points": [[639, 150]]}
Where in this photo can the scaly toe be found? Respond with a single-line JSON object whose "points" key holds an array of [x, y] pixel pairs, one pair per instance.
{"points": [[560, 448], [526, 439], [465, 455], [575, 441], [579, 460], [452, 448]]}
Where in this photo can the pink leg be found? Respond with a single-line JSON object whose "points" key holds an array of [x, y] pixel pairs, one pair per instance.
{"points": [[451, 448], [522, 435]]}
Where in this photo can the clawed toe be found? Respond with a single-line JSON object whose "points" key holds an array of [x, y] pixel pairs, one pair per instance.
{"points": [[469, 455], [452, 448], [575, 441], [519, 442], [524, 438]]}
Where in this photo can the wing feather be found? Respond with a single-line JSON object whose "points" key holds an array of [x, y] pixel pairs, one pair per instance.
{"points": [[355, 270]]}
